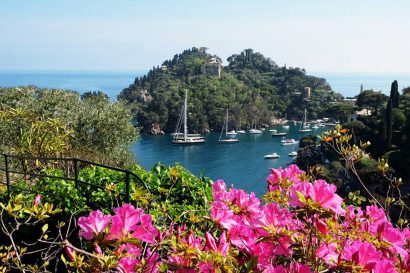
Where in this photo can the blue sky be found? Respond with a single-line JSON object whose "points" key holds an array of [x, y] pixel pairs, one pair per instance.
{"points": [[319, 35]]}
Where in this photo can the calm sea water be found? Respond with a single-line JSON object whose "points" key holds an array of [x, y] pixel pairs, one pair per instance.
{"points": [[111, 83], [348, 84], [241, 164]]}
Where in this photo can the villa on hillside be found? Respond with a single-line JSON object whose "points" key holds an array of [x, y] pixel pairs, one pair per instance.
{"points": [[352, 116], [214, 67]]}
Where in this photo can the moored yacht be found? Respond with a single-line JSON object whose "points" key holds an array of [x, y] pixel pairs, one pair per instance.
{"points": [[271, 156], [293, 153], [185, 138], [225, 129], [304, 127]]}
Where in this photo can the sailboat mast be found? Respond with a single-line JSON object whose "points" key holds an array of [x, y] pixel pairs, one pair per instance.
{"points": [[185, 114], [227, 120], [305, 116]]}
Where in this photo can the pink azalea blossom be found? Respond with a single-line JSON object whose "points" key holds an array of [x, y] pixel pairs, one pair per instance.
{"points": [[93, 224], [384, 266], [132, 222], [363, 254], [322, 193], [328, 252], [222, 247]]}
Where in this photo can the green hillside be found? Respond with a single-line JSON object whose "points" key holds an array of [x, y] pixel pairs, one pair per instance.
{"points": [[253, 87]]}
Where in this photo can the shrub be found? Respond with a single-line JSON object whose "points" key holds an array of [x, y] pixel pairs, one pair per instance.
{"points": [[302, 226]]}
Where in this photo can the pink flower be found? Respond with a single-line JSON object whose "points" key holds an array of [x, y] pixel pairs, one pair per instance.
{"points": [[222, 215], [298, 268], [290, 173], [70, 253], [272, 218], [363, 254], [384, 266], [219, 190], [328, 252], [131, 258], [375, 214], [243, 237], [93, 224], [97, 248], [129, 221], [222, 247], [37, 200], [320, 192], [275, 269], [127, 264]]}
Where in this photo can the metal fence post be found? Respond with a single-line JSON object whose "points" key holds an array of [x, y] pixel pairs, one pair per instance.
{"points": [[6, 163], [75, 172], [127, 186]]}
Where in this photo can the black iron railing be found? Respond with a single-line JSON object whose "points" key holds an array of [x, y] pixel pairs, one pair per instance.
{"points": [[31, 167]]}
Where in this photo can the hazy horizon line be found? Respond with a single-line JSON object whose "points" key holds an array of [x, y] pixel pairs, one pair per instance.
{"points": [[142, 70]]}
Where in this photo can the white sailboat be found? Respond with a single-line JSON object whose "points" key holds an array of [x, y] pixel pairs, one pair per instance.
{"points": [[255, 131], [185, 138], [304, 127], [225, 128], [240, 131]]}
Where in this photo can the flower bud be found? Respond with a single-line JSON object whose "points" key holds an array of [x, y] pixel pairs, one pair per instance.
{"points": [[70, 253], [37, 200]]}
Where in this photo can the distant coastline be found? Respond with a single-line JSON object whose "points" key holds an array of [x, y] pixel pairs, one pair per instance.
{"points": [[112, 82]]}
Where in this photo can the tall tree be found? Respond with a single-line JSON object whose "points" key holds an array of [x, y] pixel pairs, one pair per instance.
{"points": [[370, 99], [394, 94], [389, 123]]}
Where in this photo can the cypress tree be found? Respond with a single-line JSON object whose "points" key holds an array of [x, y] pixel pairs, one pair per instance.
{"points": [[389, 123], [394, 94], [382, 131]]}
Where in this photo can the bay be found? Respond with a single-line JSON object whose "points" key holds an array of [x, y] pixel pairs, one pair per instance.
{"points": [[241, 164]]}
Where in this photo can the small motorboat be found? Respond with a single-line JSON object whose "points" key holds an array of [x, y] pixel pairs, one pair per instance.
{"points": [[273, 130], [285, 127], [255, 131], [228, 140], [315, 127], [231, 133], [241, 132], [293, 153], [287, 140], [271, 156], [279, 134], [291, 141]]}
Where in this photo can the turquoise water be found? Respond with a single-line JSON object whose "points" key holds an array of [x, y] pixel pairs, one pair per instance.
{"points": [[348, 84], [110, 82], [241, 164]]}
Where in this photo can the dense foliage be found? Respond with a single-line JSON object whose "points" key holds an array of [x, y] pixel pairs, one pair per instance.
{"points": [[173, 196], [387, 128], [253, 87], [301, 226], [49, 122]]}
